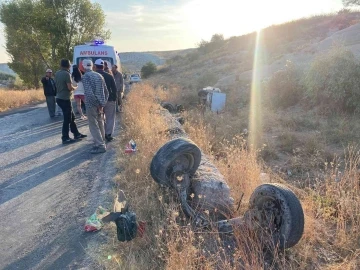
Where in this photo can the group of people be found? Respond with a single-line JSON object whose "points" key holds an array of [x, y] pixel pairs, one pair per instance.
{"points": [[100, 88]]}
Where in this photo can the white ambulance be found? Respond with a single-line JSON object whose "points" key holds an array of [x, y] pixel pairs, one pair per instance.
{"points": [[96, 50]]}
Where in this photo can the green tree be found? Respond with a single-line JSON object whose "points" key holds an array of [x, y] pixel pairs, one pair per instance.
{"points": [[40, 32], [284, 88], [148, 69], [217, 38], [216, 42]]}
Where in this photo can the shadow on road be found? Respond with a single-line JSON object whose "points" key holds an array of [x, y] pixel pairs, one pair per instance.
{"points": [[11, 142], [31, 157], [63, 255], [15, 186]]}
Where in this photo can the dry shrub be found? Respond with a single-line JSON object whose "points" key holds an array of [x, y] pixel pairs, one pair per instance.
{"points": [[13, 99], [331, 205], [338, 199], [333, 81], [238, 165], [170, 243], [283, 88]]}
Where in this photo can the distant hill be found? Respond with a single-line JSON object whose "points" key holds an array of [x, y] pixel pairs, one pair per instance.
{"points": [[133, 61], [298, 41], [4, 68]]}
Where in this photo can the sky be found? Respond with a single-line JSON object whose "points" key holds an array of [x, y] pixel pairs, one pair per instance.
{"points": [[159, 25]]}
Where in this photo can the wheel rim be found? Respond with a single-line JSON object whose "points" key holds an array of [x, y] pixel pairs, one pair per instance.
{"points": [[184, 163], [269, 214]]}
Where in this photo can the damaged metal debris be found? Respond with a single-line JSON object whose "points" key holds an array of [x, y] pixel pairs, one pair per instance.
{"points": [[273, 207], [180, 165]]}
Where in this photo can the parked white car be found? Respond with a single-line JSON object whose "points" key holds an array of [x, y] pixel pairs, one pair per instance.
{"points": [[135, 78]]}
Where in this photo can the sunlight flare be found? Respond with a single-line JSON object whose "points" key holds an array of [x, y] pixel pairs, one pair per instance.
{"points": [[256, 93]]}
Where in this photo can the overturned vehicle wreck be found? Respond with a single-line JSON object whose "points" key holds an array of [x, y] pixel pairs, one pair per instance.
{"points": [[273, 208]]}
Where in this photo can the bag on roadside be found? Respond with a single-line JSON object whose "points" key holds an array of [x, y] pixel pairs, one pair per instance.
{"points": [[126, 226]]}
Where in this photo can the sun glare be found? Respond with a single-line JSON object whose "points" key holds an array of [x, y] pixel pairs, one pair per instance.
{"points": [[228, 18], [255, 117], [236, 17]]}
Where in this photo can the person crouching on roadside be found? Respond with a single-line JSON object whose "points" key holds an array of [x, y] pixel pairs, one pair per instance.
{"points": [[49, 92], [64, 92], [79, 94], [96, 96], [110, 107]]}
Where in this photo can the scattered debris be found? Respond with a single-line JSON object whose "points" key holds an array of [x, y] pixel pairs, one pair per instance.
{"points": [[272, 207], [212, 98], [94, 222], [125, 220], [130, 147]]}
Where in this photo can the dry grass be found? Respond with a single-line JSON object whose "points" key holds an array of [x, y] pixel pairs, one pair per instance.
{"points": [[331, 203], [10, 99]]}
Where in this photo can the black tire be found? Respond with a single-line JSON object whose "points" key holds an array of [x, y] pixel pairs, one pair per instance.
{"points": [[179, 151], [279, 208], [168, 106]]}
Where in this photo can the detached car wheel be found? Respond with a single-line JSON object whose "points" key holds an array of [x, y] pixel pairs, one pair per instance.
{"points": [[177, 155], [278, 211]]}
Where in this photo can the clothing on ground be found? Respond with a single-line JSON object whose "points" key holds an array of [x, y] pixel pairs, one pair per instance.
{"points": [[49, 86], [96, 93], [69, 118], [62, 78], [51, 105], [110, 113], [96, 126], [110, 84]]}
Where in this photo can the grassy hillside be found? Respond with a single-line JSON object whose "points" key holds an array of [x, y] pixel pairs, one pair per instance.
{"points": [[306, 102], [298, 41], [331, 203], [307, 90]]}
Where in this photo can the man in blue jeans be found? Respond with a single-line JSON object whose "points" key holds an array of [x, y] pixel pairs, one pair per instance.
{"points": [[64, 92]]}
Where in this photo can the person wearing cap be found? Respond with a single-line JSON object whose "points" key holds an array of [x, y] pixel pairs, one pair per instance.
{"points": [[49, 92], [64, 91], [119, 81], [96, 95], [110, 107]]}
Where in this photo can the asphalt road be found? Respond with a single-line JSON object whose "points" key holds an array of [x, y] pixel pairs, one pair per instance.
{"points": [[47, 191]]}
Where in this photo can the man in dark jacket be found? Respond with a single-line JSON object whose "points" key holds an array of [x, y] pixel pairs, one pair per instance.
{"points": [[49, 92], [110, 107]]}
